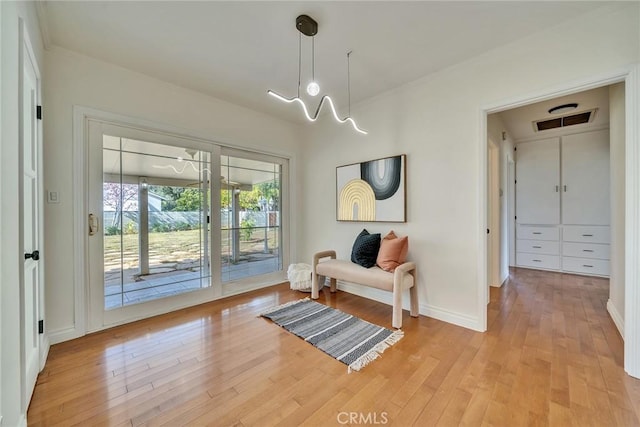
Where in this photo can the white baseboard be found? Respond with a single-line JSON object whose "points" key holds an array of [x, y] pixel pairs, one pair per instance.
{"points": [[438, 313], [44, 351], [452, 317], [62, 335], [615, 316]]}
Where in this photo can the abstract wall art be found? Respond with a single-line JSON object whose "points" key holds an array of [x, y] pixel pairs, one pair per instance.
{"points": [[373, 191]]}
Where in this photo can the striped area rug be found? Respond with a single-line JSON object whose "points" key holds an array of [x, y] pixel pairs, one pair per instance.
{"points": [[342, 336]]}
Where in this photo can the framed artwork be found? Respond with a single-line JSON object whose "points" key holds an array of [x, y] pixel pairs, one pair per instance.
{"points": [[373, 191]]}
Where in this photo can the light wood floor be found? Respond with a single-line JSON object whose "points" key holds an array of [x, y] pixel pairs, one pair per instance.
{"points": [[552, 356]]}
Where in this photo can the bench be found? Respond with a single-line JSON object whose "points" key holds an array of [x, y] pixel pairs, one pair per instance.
{"points": [[325, 264]]}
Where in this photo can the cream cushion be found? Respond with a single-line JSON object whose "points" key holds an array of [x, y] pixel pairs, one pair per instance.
{"points": [[351, 272]]}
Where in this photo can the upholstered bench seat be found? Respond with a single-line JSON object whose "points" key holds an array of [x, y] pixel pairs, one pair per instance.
{"points": [[404, 277]]}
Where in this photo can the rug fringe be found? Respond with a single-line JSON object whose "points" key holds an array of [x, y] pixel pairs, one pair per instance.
{"points": [[281, 306], [376, 351]]}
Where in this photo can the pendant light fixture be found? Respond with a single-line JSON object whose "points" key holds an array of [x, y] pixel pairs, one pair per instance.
{"points": [[313, 88], [309, 27]]}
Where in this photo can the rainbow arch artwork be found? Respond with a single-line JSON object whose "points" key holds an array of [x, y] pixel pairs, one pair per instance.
{"points": [[372, 191], [357, 202]]}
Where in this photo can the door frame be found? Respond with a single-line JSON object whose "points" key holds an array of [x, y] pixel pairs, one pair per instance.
{"points": [[631, 77], [25, 51], [81, 115]]}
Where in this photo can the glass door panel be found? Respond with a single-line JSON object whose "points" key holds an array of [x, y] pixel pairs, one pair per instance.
{"points": [[250, 200], [156, 220]]}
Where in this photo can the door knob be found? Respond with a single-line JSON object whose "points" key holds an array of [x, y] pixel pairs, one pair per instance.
{"points": [[35, 255]]}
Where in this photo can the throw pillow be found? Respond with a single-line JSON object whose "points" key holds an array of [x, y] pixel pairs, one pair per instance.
{"points": [[393, 251], [365, 249]]}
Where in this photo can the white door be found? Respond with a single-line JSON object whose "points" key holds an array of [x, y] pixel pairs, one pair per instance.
{"points": [[585, 178], [538, 182], [30, 197], [511, 209], [493, 215]]}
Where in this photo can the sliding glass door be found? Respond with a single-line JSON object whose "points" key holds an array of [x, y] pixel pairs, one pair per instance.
{"points": [[159, 240], [250, 201], [155, 209]]}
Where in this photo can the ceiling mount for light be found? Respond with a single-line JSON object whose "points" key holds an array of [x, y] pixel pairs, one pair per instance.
{"points": [[564, 108], [309, 27]]}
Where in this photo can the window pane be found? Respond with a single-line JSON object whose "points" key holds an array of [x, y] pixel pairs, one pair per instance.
{"points": [[250, 218]]}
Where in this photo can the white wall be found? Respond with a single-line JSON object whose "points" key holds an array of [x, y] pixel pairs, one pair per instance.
{"points": [[437, 122], [73, 79], [11, 261], [615, 305]]}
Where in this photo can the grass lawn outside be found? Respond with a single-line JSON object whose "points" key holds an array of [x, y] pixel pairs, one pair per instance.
{"points": [[181, 246]]}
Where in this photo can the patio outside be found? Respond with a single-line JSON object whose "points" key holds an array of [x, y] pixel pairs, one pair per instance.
{"points": [[176, 263]]}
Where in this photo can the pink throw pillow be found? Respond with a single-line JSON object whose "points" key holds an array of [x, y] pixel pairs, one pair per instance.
{"points": [[393, 251]]}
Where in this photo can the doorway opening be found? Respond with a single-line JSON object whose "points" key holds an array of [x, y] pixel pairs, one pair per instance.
{"points": [[565, 188]]}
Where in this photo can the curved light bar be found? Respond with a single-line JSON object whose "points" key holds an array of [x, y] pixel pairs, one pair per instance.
{"points": [[315, 117], [181, 171]]}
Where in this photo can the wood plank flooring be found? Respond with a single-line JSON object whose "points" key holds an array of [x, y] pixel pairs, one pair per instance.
{"points": [[551, 356]]}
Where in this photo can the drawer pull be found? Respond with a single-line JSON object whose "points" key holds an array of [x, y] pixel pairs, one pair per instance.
{"points": [[587, 250], [537, 247], [587, 235], [537, 232], [537, 260], [587, 265]]}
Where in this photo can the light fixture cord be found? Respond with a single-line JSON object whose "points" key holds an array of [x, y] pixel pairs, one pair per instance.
{"points": [[313, 58], [349, 79], [299, 60]]}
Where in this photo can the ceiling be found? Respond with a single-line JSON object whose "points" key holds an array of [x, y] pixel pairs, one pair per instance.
{"points": [[178, 166], [519, 121], [235, 51]]}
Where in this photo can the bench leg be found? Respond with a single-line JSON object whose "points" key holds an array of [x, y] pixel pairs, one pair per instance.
{"points": [[332, 285], [396, 320], [314, 286], [413, 296]]}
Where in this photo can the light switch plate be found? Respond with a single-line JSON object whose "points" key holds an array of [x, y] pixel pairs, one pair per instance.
{"points": [[53, 197]]}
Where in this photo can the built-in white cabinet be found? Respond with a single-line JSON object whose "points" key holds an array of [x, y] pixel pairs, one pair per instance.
{"points": [[538, 182], [585, 178], [562, 203]]}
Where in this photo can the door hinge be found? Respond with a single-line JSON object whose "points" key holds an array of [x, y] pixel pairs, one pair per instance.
{"points": [[39, 112], [515, 217], [41, 326], [515, 148], [487, 231], [208, 219]]}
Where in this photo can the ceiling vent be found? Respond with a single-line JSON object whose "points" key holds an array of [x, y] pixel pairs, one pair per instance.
{"points": [[560, 122]]}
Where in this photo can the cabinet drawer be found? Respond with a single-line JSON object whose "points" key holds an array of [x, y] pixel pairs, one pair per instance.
{"points": [[598, 267], [532, 232], [549, 262], [588, 234], [585, 250], [548, 247]]}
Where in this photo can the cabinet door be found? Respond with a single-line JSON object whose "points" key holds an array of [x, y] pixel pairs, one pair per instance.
{"points": [[585, 178], [537, 182]]}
